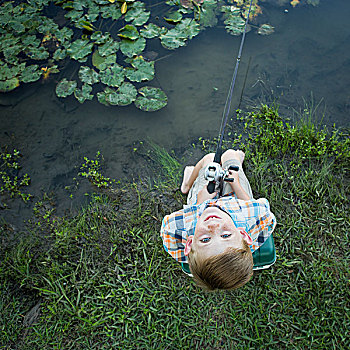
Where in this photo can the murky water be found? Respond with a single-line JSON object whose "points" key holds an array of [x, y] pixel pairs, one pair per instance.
{"points": [[306, 59]]}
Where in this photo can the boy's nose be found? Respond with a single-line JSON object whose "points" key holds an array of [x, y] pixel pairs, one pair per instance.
{"points": [[212, 225]]}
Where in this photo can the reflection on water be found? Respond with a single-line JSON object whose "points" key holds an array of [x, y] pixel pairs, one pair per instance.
{"points": [[308, 55]]}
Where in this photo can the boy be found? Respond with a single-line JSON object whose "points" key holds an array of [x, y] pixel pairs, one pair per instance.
{"points": [[217, 236]]}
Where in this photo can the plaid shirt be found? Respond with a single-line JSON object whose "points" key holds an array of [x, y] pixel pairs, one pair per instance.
{"points": [[253, 216]]}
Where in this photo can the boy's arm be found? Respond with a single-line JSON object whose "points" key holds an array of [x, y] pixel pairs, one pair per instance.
{"points": [[239, 191], [236, 186], [261, 228], [174, 235]]}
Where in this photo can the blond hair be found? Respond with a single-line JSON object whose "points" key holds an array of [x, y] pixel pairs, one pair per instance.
{"points": [[229, 270]]}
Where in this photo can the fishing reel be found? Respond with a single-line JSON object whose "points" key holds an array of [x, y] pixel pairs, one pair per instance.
{"points": [[217, 176]]}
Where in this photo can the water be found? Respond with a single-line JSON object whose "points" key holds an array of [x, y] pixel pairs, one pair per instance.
{"points": [[306, 59]]}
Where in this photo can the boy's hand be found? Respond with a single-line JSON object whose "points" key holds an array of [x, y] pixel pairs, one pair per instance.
{"points": [[203, 195], [233, 175]]}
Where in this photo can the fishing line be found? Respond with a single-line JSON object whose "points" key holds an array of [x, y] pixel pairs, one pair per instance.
{"points": [[244, 82], [227, 107]]}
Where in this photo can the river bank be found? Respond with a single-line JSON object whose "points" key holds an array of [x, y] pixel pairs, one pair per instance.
{"points": [[100, 279]]}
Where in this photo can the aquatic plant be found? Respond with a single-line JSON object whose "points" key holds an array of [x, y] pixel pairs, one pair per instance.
{"points": [[11, 182], [91, 170], [40, 37], [266, 29]]}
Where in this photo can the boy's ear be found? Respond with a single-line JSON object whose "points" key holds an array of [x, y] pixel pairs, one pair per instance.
{"points": [[188, 245], [246, 237]]}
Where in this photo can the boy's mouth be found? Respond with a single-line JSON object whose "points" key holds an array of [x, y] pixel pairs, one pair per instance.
{"points": [[212, 217]]}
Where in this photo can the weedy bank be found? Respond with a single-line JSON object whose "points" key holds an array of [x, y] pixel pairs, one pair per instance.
{"points": [[100, 279]]}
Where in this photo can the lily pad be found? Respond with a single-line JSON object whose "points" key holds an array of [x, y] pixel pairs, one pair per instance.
{"points": [[60, 54], [11, 52], [83, 94], [189, 27], [47, 26], [7, 72], [80, 49], [30, 40], [150, 31], [102, 2], [137, 14], [7, 40], [151, 99], [79, 4], [208, 17], [65, 87], [235, 25], [132, 48], [37, 53], [100, 38], [102, 63], [73, 15], [173, 16], [16, 26], [93, 13], [32, 22], [176, 37], [125, 95], [88, 75], [143, 71], [108, 48], [64, 34], [254, 11], [231, 10], [266, 29], [102, 97], [113, 12], [13, 49], [172, 39], [31, 73], [129, 32], [113, 75], [9, 85]]}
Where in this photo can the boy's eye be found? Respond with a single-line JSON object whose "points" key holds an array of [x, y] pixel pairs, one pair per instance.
{"points": [[205, 240], [226, 235]]}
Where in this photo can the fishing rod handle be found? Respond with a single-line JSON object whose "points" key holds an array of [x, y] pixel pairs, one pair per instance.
{"points": [[211, 187], [217, 157]]}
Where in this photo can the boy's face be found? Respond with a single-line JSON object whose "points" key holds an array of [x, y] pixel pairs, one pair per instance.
{"points": [[214, 233]]}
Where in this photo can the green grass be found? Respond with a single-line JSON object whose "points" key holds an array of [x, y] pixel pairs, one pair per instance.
{"points": [[105, 282], [163, 164]]}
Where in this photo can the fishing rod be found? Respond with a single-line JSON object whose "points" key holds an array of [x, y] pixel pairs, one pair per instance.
{"points": [[214, 172]]}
